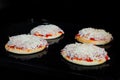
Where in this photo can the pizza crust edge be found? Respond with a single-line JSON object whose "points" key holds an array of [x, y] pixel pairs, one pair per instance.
{"points": [[25, 51], [84, 40], [81, 62]]}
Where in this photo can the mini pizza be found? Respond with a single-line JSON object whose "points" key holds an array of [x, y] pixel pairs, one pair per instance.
{"points": [[84, 54], [25, 44], [94, 36], [48, 31]]}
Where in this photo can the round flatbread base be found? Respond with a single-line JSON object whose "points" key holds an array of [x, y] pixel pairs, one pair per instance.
{"points": [[83, 40], [51, 37], [24, 51], [84, 63]]}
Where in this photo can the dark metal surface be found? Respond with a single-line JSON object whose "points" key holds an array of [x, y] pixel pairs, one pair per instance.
{"points": [[52, 63]]}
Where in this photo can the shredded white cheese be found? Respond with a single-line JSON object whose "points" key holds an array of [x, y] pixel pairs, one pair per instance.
{"points": [[84, 51], [97, 34], [26, 41], [46, 29]]}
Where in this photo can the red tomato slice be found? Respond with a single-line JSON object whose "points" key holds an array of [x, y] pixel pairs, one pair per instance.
{"points": [[37, 34], [106, 57], [89, 60], [60, 32], [47, 35], [92, 38], [12, 46], [77, 34]]}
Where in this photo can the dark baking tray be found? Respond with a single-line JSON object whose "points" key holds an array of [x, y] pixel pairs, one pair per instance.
{"points": [[49, 61]]}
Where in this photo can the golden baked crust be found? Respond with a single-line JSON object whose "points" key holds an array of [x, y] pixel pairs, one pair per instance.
{"points": [[95, 42], [23, 51], [49, 36], [83, 62], [49, 31], [94, 36], [25, 44], [84, 54]]}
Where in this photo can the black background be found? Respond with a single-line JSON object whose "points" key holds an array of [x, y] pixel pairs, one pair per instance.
{"points": [[69, 10], [17, 17]]}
